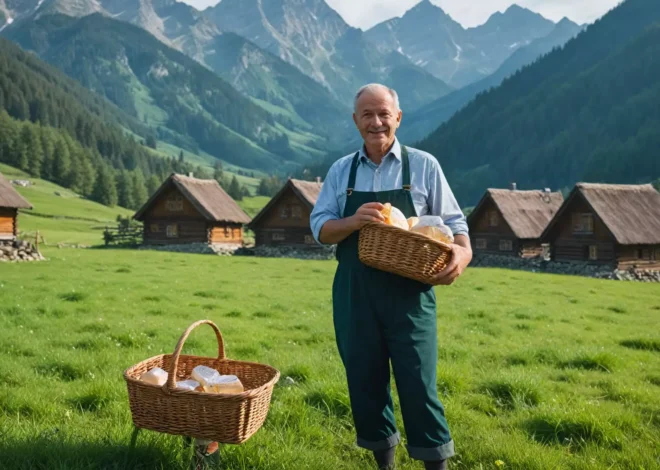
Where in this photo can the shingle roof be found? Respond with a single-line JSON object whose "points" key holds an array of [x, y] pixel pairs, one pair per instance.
{"points": [[527, 212], [10, 198], [307, 191], [630, 212], [207, 196]]}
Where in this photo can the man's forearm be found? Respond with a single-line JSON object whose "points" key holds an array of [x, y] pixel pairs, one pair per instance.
{"points": [[464, 241], [335, 231]]}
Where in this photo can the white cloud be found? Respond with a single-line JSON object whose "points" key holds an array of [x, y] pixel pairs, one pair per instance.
{"points": [[366, 13]]}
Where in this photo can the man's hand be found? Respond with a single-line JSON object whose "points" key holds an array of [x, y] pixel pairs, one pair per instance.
{"points": [[335, 231], [461, 257], [369, 212]]}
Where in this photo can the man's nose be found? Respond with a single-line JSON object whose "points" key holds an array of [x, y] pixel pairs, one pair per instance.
{"points": [[376, 122]]}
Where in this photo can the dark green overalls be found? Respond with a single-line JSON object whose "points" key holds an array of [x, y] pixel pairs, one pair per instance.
{"points": [[380, 316]]}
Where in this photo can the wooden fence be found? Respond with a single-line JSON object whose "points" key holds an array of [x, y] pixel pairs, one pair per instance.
{"points": [[123, 235]]}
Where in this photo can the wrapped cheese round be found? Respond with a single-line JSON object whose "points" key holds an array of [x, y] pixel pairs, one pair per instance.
{"points": [[412, 221], [432, 226], [394, 216]]}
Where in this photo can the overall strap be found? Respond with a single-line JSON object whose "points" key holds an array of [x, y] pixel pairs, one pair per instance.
{"points": [[352, 174], [406, 168]]}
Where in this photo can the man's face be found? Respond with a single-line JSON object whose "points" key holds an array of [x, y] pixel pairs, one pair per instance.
{"points": [[377, 118]]}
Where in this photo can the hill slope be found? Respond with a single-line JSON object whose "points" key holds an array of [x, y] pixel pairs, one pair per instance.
{"points": [[60, 215], [586, 112]]}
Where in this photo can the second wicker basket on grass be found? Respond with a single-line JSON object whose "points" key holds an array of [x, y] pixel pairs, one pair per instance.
{"points": [[228, 419]]}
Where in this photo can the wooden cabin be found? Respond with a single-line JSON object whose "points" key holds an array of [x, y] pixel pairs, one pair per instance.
{"points": [[190, 210], [10, 203], [608, 224], [285, 219], [510, 222]]}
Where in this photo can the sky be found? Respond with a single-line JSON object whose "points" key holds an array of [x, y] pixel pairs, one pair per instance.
{"points": [[367, 13]]}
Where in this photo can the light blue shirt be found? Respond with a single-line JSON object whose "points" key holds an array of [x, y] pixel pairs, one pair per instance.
{"points": [[431, 193]]}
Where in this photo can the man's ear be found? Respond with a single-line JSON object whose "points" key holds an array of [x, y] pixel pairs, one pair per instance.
{"points": [[398, 118], [355, 121]]}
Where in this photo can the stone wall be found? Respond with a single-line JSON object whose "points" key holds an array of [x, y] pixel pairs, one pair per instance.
{"points": [[318, 253], [199, 248], [19, 250], [540, 264]]}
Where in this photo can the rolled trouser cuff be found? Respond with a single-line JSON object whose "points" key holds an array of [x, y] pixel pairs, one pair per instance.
{"points": [[388, 443], [432, 454]]}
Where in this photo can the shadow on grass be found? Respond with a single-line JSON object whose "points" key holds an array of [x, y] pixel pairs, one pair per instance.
{"points": [[45, 453]]}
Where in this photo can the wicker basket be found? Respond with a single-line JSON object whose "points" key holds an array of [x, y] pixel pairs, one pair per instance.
{"points": [[408, 254], [228, 419]]}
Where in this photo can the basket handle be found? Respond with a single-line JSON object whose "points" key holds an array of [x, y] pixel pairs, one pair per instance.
{"points": [[171, 377]]}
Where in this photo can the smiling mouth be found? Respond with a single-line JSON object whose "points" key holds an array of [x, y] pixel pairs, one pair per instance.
{"points": [[376, 132]]}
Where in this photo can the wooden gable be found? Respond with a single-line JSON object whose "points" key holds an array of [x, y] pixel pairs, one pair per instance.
{"points": [[488, 218], [288, 211]]}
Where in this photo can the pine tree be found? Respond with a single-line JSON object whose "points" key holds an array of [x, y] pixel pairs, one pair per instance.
{"points": [[105, 189], [32, 142], [8, 135], [139, 189], [234, 190], [181, 158], [125, 189], [61, 162], [153, 184], [48, 147]]}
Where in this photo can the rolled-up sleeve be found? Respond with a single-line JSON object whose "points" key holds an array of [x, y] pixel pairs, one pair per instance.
{"points": [[327, 206], [442, 202]]}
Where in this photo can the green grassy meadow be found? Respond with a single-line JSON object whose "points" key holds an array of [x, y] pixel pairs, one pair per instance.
{"points": [[536, 371]]}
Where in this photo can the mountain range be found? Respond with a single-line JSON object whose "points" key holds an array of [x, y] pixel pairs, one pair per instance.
{"points": [[432, 40]]}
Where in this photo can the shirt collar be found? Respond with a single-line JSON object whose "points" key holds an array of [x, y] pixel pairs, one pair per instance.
{"points": [[395, 150]]}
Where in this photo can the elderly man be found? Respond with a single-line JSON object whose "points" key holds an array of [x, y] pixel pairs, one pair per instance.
{"points": [[380, 317]]}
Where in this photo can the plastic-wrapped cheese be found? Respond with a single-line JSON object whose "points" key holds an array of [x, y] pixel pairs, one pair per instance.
{"points": [[155, 376], [394, 216], [433, 227]]}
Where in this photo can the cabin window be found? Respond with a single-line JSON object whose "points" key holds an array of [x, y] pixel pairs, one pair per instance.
{"points": [[482, 243], [296, 212], [646, 254], [279, 237], [493, 218], [656, 254], [174, 203], [506, 245], [309, 240], [640, 254], [583, 223], [227, 233], [172, 231], [284, 212], [593, 252], [154, 228]]}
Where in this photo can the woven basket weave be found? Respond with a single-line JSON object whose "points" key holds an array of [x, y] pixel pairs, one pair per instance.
{"points": [[228, 419], [408, 254]]}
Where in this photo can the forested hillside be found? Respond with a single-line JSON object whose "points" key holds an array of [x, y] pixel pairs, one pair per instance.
{"points": [[53, 128], [185, 103]]}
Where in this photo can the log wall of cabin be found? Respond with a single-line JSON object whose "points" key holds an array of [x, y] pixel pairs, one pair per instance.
{"points": [[285, 237], [172, 220], [638, 256], [285, 223], [225, 233], [567, 244], [483, 232], [8, 224]]}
